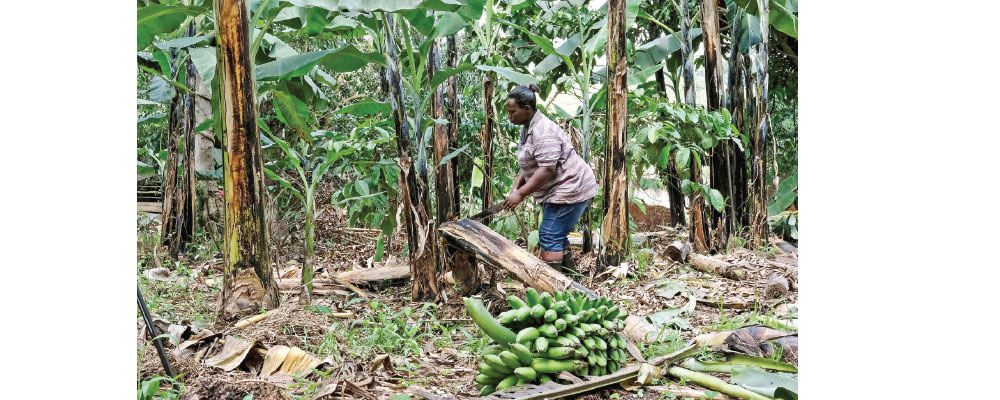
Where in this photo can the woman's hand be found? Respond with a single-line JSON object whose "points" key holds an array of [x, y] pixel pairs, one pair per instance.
{"points": [[513, 199]]}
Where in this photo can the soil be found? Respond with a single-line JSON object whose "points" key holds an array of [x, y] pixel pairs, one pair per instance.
{"points": [[655, 218]]}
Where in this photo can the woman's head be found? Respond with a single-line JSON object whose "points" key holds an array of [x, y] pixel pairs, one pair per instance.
{"points": [[521, 104]]}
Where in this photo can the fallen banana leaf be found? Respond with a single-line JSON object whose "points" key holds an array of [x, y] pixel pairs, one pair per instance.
{"points": [[275, 356], [763, 382], [232, 354], [714, 383], [299, 362]]}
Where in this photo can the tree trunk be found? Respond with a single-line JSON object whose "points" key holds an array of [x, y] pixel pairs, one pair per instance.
{"points": [[697, 201], [248, 281], [448, 204], [719, 178], [464, 269], [418, 232], [486, 138], [209, 209], [735, 103], [616, 185], [493, 249], [758, 142], [185, 193], [170, 193]]}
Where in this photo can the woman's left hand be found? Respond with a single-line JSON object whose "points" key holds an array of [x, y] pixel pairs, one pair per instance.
{"points": [[513, 199]]}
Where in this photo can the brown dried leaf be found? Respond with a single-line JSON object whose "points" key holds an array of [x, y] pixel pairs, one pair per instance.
{"points": [[274, 358], [231, 355], [298, 362]]}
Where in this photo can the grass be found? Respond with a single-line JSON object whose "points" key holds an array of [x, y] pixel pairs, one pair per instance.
{"points": [[668, 341], [381, 331], [748, 318], [174, 302]]}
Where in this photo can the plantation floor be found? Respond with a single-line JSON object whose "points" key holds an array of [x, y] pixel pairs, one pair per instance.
{"points": [[393, 346]]}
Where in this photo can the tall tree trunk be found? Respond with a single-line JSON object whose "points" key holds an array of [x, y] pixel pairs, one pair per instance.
{"points": [[248, 281], [719, 177], [698, 234], [616, 189], [463, 266], [758, 140], [735, 103], [170, 192], [486, 139], [446, 187], [204, 159], [186, 193], [418, 232]]}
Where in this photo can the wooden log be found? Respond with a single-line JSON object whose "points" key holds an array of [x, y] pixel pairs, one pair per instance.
{"points": [[678, 250], [296, 283], [376, 274], [716, 266], [777, 286], [496, 250]]}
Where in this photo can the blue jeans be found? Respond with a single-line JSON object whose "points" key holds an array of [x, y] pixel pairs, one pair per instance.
{"points": [[557, 222]]}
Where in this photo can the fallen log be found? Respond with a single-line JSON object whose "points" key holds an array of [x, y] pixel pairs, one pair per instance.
{"points": [[678, 250], [401, 271], [716, 266], [285, 284], [777, 286], [493, 249]]}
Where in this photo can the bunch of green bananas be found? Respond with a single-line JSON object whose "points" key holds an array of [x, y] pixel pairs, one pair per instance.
{"points": [[555, 333]]}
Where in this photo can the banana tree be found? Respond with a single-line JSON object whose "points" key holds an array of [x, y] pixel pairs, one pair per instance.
{"points": [[315, 159]]}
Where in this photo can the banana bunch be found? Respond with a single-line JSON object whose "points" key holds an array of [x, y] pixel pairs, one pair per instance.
{"points": [[555, 333]]}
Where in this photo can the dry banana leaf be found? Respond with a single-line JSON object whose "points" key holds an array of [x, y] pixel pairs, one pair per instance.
{"points": [[275, 356], [298, 362], [232, 354]]}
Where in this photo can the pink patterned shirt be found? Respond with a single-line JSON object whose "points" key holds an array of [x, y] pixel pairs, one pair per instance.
{"points": [[543, 143]]}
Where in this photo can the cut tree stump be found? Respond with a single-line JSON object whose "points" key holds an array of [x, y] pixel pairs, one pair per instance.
{"points": [[493, 249], [777, 286], [678, 250]]}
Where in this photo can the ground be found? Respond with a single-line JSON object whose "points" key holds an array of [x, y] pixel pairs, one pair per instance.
{"points": [[391, 345]]}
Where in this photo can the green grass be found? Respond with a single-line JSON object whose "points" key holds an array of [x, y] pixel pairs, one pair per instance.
{"points": [[668, 341], [380, 331], [173, 301], [753, 317]]}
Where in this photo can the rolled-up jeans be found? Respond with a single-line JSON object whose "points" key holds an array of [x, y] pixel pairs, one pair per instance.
{"points": [[558, 221]]}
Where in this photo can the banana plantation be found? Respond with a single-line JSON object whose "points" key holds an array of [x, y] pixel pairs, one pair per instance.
{"points": [[452, 199]]}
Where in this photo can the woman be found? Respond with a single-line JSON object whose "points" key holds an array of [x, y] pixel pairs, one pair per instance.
{"points": [[551, 170]]}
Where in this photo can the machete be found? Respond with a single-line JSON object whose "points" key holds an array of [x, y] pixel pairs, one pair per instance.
{"points": [[489, 211]]}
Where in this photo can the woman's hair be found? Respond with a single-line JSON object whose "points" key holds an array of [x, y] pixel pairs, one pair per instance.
{"points": [[524, 96]]}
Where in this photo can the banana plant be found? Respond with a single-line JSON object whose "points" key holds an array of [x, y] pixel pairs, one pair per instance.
{"points": [[686, 134], [316, 160]]}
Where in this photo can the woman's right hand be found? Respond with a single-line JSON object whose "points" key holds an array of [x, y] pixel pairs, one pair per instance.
{"points": [[513, 199]]}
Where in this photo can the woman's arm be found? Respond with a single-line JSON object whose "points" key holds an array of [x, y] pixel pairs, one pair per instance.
{"points": [[519, 181], [538, 179]]}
